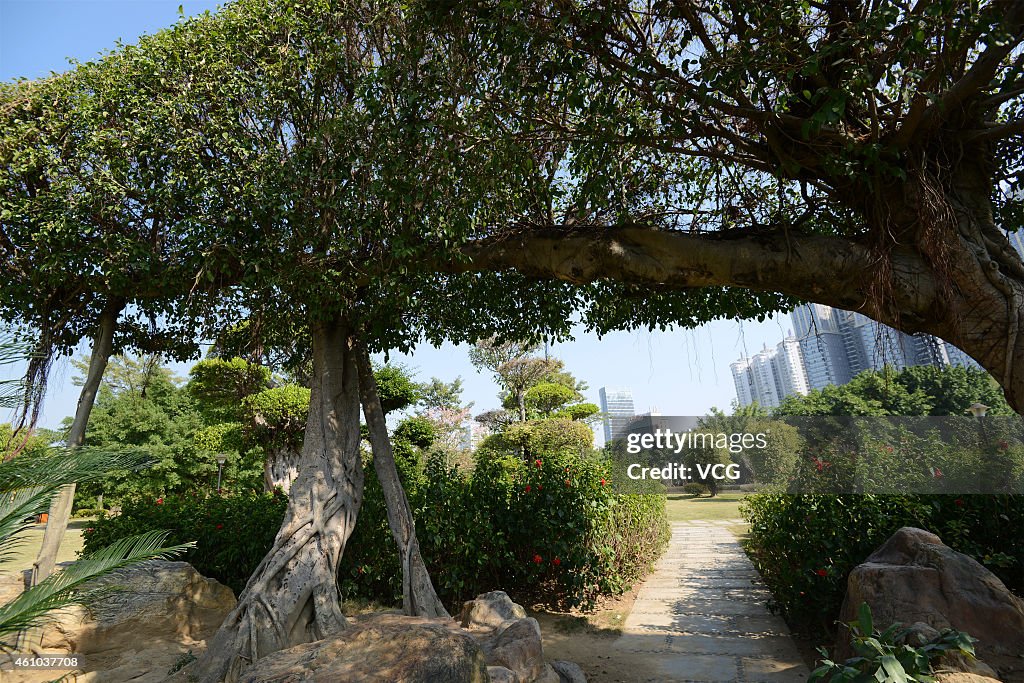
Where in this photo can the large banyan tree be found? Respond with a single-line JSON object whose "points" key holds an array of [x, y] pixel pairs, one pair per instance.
{"points": [[382, 174]]}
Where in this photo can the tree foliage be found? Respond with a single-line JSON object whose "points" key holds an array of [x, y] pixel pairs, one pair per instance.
{"points": [[918, 390]]}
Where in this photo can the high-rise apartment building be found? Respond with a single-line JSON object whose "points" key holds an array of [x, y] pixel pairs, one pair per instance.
{"points": [[770, 375], [819, 331], [831, 346], [617, 408]]}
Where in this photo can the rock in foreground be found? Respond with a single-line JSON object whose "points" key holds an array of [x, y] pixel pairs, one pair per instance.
{"points": [[379, 648], [497, 642], [155, 613], [914, 577]]}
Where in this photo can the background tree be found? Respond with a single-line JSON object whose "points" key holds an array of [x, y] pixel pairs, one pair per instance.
{"points": [[514, 366], [86, 175], [918, 390]]}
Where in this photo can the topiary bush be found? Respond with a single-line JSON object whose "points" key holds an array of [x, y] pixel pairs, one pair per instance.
{"points": [[806, 545], [695, 489]]}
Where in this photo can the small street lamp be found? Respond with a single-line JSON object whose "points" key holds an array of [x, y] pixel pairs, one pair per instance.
{"points": [[221, 459], [978, 410]]}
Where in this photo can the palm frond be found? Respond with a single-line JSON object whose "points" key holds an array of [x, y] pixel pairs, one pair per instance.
{"points": [[76, 583], [68, 466], [12, 392], [12, 350], [27, 485], [17, 512]]}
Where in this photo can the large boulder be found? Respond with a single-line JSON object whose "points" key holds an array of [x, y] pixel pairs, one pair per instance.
{"points": [[510, 640], [159, 600], [517, 646], [914, 577], [154, 614], [490, 610], [379, 648]]}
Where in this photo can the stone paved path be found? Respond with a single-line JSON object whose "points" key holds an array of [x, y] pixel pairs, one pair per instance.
{"points": [[702, 616]]}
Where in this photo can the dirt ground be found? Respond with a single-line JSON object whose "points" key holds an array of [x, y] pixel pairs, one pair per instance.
{"points": [[586, 638]]}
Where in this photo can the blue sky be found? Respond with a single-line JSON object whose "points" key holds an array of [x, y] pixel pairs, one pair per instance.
{"points": [[681, 372]]}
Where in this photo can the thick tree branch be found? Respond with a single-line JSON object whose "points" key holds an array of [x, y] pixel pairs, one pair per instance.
{"points": [[829, 270]]}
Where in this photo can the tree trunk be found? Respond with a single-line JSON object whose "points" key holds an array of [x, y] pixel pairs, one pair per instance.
{"points": [[292, 597], [418, 595], [60, 507], [985, 314], [280, 469]]}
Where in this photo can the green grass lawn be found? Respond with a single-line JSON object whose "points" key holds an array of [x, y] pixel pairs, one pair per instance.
{"points": [[685, 508], [27, 546]]}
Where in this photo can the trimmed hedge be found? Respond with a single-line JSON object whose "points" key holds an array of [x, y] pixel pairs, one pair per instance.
{"points": [[806, 545], [550, 531]]}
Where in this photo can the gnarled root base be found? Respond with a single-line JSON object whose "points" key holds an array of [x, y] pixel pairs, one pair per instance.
{"points": [[292, 597]]}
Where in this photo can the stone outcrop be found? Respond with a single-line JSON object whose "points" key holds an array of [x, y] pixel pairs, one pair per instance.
{"points": [[495, 642], [490, 610], [914, 579], [156, 613], [379, 648], [153, 615], [568, 672]]}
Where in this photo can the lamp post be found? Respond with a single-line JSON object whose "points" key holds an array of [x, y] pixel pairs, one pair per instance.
{"points": [[221, 459], [979, 411]]}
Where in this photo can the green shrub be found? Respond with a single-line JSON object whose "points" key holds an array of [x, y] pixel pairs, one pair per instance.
{"points": [[514, 525], [695, 488], [550, 531], [232, 533], [805, 545]]}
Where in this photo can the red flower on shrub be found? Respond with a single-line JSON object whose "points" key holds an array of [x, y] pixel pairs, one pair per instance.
{"points": [[159, 501], [821, 572], [220, 526], [959, 502], [540, 487], [538, 559], [538, 463], [604, 483], [527, 488], [556, 562], [1003, 445], [568, 483], [567, 470], [888, 449], [937, 473]]}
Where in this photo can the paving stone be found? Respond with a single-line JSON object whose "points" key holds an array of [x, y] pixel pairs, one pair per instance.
{"points": [[702, 616], [746, 645], [705, 668]]}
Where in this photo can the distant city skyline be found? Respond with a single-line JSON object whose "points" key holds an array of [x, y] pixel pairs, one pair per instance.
{"points": [[832, 346]]}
